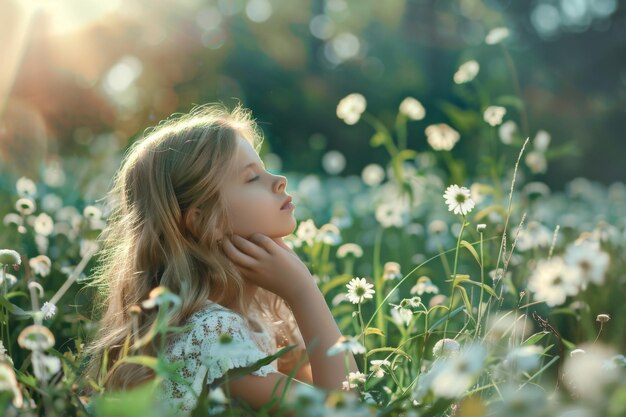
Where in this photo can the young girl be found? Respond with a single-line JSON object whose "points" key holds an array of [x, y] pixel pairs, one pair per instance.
{"points": [[195, 211]]}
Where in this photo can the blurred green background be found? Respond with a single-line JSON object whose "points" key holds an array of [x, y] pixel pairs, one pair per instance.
{"points": [[81, 78]]}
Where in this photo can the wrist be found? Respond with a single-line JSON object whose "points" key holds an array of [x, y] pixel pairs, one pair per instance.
{"points": [[305, 289]]}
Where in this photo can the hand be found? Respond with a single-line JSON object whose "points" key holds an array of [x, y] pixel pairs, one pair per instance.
{"points": [[269, 263]]}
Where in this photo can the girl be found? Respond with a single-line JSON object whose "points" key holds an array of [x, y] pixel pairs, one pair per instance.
{"points": [[195, 211]]}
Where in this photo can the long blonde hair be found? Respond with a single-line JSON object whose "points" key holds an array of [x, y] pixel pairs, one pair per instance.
{"points": [[152, 239]]}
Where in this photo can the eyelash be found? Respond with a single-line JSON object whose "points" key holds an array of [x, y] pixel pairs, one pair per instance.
{"points": [[254, 179]]}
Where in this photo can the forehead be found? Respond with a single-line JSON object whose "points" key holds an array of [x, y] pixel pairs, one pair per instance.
{"points": [[245, 152]]}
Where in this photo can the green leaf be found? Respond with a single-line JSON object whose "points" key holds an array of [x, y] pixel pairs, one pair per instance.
{"points": [[466, 301], [335, 282], [373, 330], [471, 249], [485, 287], [535, 338]]}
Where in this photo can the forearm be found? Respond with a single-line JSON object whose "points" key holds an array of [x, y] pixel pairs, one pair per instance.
{"points": [[320, 331]]}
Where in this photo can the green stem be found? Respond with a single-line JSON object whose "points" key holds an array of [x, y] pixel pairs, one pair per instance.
{"points": [[362, 323], [378, 285], [456, 259]]}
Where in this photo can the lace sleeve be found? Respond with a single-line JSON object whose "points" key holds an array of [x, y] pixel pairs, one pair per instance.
{"points": [[205, 345], [202, 354]]}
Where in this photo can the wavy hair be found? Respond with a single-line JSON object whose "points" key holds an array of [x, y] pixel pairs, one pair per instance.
{"points": [[152, 239]]}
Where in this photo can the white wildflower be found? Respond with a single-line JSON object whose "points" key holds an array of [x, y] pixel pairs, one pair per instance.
{"points": [[373, 174], [329, 234], [359, 289], [537, 162], [354, 380], [451, 377], [496, 35], [44, 225], [45, 366], [553, 280], [377, 367], [8, 382], [423, 286], [36, 337], [458, 199], [493, 115], [541, 141], [535, 235], [524, 358], [603, 318], [412, 108], [576, 352], [466, 72], [582, 369], [392, 214], [307, 231], [507, 131], [26, 187], [591, 262], [401, 316], [25, 206], [10, 257], [391, 271], [346, 344], [40, 265], [351, 107], [333, 162], [349, 249], [160, 296], [49, 310], [446, 347], [441, 137]]}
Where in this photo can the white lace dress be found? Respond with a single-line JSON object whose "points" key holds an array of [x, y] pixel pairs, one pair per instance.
{"points": [[202, 353]]}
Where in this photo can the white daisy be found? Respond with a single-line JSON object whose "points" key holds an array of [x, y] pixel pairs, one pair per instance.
{"points": [[466, 72], [535, 235], [392, 213], [329, 234], [458, 199], [359, 289], [591, 262], [306, 231], [351, 107], [412, 108], [26, 187], [25, 206], [553, 280], [452, 376], [493, 115], [441, 136]]}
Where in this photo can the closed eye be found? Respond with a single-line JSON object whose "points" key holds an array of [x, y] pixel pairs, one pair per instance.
{"points": [[254, 179]]}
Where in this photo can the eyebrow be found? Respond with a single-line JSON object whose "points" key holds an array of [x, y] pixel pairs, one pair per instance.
{"points": [[251, 164]]}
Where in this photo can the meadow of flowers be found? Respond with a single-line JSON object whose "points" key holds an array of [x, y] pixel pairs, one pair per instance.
{"points": [[464, 287]]}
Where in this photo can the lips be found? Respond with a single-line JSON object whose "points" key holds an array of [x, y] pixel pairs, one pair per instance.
{"points": [[286, 203]]}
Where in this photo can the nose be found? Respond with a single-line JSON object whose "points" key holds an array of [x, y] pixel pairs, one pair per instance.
{"points": [[280, 183]]}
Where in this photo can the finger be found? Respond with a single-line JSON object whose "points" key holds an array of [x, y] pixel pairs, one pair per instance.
{"points": [[280, 242], [264, 242], [248, 247], [235, 255]]}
